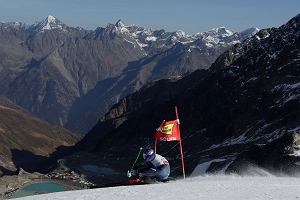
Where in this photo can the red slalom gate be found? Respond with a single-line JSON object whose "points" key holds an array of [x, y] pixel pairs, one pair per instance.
{"points": [[170, 131]]}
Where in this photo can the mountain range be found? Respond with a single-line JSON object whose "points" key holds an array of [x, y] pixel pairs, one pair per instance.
{"points": [[238, 96], [240, 114], [71, 76]]}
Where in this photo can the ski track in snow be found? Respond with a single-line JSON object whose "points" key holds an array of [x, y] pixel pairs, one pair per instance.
{"points": [[200, 188]]}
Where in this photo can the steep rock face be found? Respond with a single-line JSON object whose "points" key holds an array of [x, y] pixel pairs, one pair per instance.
{"points": [[25, 141], [48, 65], [166, 58], [174, 63], [63, 76], [71, 76], [249, 97]]}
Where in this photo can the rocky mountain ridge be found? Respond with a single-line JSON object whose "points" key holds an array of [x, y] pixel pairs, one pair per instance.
{"points": [[241, 114], [68, 66], [160, 39]]}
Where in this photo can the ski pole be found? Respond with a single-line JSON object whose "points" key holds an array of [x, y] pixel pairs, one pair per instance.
{"points": [[136, 159]]}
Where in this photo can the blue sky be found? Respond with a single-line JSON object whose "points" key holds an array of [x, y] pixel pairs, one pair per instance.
{"points": [[188, 15]]}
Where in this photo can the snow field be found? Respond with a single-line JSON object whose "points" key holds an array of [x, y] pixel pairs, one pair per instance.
{"points": [[204, 188]]}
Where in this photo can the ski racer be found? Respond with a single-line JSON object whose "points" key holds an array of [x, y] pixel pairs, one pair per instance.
{"points": [[154, 166]]}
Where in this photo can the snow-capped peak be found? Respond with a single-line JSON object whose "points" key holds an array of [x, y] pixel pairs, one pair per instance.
{"points": [[51, 19], [14, 24], [180, 34], [249, 32], [120, 23], [146, 38], [222, 31], [121, 27], [48, 24]]}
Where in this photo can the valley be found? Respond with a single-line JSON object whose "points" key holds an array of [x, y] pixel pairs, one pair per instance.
{"points": [[76, 105]]}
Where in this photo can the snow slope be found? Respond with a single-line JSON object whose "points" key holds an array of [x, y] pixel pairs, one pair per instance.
{"points": [[210, 187]]}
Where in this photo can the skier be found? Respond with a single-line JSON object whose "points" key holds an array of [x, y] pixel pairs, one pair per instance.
{"points": [[154, 166]]}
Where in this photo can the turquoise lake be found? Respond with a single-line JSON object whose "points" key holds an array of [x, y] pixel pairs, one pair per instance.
{"points": [[39, 188]]}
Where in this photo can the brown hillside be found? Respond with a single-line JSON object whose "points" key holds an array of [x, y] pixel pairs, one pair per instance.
{"points": [[22, 134]]}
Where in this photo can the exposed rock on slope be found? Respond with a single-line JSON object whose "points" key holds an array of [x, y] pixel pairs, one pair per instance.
{"points": [[249, 98], [62, 62], [54, 71], [165, 59]]}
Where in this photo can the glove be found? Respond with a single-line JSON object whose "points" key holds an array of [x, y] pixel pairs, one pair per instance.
{"points": [[131, 173]]}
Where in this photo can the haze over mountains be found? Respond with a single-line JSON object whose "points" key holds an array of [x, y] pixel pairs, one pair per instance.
{"points": [[71, 76]]}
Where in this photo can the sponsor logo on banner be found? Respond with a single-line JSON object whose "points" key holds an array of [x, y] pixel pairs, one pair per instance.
{"points": [[167, 129], [167, 139]]}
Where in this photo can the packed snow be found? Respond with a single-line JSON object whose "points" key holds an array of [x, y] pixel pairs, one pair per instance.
{"points": [[204, 188]]}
